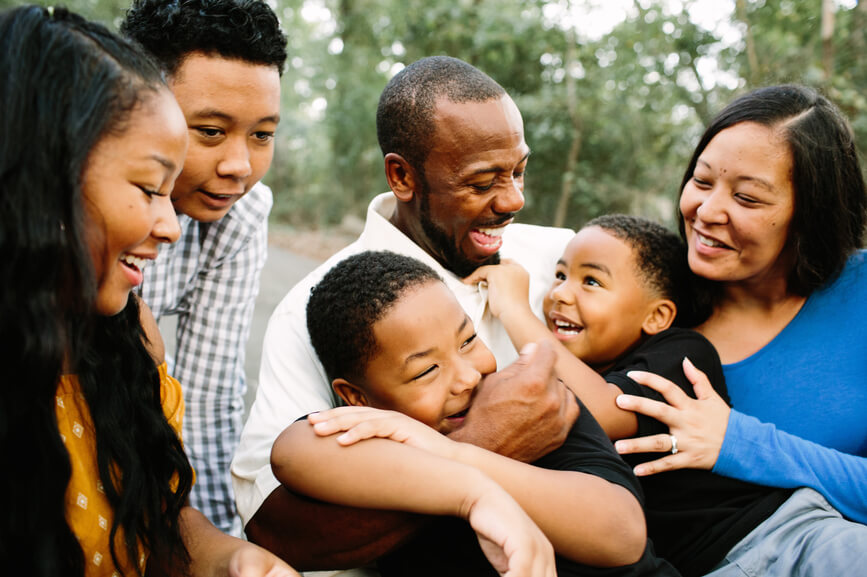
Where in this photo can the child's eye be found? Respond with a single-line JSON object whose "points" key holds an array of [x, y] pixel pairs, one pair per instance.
{"points": [[427, 371], [469, 341], [559, 275], [590, 281]]}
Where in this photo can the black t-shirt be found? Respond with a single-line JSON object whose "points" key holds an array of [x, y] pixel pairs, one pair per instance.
{"points": [[694, 517], [448, 545]]}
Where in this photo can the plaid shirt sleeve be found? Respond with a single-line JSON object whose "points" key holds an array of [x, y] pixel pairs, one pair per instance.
{"points": [[214, 279]]}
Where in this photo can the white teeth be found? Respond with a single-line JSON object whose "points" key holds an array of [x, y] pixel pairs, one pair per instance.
{"points": [[566, 328], [708, 242], [135, 261], [493, 231]]}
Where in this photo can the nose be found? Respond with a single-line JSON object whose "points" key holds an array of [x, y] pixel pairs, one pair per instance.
{"points": [[710, 207], [560, 294], [510, 198], [166, 227], [235, 161], [467, 377]]}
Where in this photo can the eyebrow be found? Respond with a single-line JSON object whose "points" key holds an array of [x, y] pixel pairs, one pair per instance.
{"points": [[164, 161], [498, 168], [214, 113], [756, 179], [426, 352], [593, 265]]}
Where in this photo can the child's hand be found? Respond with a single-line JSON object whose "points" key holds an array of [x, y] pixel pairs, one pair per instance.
{"points": [[508, 285], [510, 540], [253, 561], [359, 423]]}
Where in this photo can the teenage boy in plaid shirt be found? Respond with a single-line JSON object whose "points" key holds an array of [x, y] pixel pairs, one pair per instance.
{"points": [[224, 59]]}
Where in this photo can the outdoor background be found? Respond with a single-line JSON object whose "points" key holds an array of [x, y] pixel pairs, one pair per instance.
{"points": [[614, 93]]}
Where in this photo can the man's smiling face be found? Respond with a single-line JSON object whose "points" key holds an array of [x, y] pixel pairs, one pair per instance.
{"points": [[473, 182]]}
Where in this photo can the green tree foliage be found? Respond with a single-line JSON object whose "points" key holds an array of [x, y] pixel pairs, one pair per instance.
{"points": [[611, 118]]}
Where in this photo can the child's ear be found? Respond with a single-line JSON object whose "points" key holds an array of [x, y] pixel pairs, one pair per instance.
{"points": [[350, 393], [660, 317], [401, 177]]}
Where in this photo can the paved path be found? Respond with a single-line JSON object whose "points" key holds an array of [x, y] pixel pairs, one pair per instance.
{"points": [[282, 270]]}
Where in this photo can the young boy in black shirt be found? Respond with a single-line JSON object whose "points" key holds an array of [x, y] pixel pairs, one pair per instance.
{"points": [[391, 335], [616, 294]]}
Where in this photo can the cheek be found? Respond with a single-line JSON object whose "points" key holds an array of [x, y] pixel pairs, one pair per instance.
{"points": [[688, 203]]}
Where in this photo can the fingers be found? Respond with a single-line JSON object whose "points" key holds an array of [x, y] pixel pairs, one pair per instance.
{"points": [[655, 409], [700, 383], [478, 275], [673, 394]]}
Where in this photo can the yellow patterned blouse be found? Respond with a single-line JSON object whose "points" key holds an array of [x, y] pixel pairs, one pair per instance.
{"points": [[87, 510]]}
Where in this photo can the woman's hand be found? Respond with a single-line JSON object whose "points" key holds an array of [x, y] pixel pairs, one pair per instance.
{"points": [[699, 425], [360, 423], [508, 285], [510, 540]]}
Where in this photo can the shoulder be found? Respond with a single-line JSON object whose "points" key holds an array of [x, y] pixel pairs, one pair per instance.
{"points": [[153, 338], [536, 248], [531, 235], [663, 355]]}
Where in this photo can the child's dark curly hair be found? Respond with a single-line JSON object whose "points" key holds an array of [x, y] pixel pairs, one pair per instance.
{"points": [[350, 299], [660, 256], [171, 30]]}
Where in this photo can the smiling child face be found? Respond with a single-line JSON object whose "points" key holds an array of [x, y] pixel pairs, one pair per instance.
{"points": [[428, 360]]}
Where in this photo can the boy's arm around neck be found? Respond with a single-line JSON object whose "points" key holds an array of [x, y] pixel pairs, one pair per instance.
{"points": [[384, 474]]}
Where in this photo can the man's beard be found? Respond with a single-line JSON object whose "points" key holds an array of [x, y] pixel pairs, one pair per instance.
{"points": [[448, 253]]}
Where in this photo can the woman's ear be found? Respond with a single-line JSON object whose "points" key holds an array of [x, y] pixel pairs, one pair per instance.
{"points": [[660, 316], [401, 177], [351, 394]]}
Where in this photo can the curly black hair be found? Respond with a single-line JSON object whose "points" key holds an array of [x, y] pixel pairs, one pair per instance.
{"points": [[170, 30], [660, 256], [350, 299], [404, 116]]}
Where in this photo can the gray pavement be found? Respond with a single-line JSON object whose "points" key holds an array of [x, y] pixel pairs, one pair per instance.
{"points": [[282, 270]]}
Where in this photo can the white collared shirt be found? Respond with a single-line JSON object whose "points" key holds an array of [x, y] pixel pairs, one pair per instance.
{"points": [[292, 382]]}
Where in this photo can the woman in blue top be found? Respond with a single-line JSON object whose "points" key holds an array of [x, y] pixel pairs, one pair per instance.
{"points": [[773, 208]]}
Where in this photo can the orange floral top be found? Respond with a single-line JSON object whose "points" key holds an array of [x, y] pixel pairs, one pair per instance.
{"points": [[87, 510]]}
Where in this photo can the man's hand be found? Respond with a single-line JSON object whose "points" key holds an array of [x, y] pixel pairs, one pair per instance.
{"points": [[524, 411]]}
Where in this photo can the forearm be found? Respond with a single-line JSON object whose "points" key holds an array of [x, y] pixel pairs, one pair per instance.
{"points": [[760, 453], [598, 395], [314, 535], [586, 518], [376, 473]]}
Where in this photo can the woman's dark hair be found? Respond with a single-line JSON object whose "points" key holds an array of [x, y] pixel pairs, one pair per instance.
{"points": [[830, 198], [68, 83]]}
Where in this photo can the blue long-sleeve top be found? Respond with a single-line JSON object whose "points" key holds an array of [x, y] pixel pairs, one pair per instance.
{"points": [[800, 402]]}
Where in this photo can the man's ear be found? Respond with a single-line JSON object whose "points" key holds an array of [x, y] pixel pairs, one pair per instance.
{"points": [[401, 177], [351, 394], [659, 317]]}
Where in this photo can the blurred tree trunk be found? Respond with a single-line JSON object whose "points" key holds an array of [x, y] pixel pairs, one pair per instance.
{"points": [[568, 179], [828, 10], [753, 75]]}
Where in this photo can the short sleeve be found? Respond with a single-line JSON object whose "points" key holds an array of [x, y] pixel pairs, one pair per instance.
{"points": [[171, 398]]}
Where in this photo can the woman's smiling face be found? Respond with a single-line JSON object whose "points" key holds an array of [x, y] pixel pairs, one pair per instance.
{"points": [[126, 189], [738, 205]]}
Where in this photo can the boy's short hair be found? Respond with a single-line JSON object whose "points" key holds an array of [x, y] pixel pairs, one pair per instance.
{"points": [[171, 30], [350, 299], [660, 256]]}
